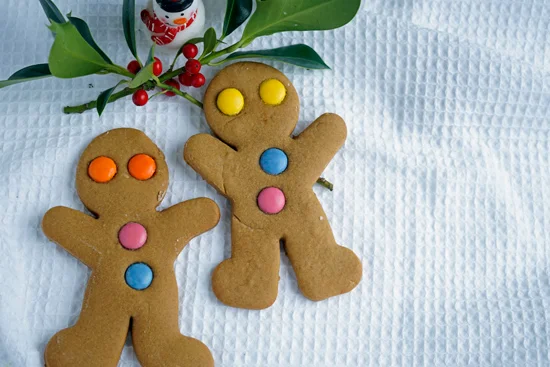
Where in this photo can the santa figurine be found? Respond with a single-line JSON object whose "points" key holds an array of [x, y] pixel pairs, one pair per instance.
{"points": [[174, 22]]}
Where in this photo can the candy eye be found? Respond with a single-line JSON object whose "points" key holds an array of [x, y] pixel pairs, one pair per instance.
{"points": [[272, 92], [167, 17], [142, 167], [182, 14], [230, 102], [102, 169]]}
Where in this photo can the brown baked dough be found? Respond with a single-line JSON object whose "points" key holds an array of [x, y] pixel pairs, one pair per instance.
{"points": [[110, 307], [250, 278]]}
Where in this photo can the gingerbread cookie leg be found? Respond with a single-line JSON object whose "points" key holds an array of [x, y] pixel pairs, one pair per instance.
{"points": [[323, 268], [250, 278], [96, 339], [158, 341]]}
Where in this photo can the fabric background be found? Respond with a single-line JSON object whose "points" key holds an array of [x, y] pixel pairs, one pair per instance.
{"points": [[442, 189]]}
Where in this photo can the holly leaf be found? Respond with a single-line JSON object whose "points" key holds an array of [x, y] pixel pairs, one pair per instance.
{"points": [[146, 72], [71, 56], [272, 16], [236, 13], [129, 25], [103, 98], [195, 41], [52, 12], [84, 31], [27, 74], [299, 55], [210, 41]]}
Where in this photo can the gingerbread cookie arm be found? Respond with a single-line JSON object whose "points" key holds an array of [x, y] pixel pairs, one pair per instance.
{"points": [[208, 156], [72, 230], [319, 143], [187, 220]]}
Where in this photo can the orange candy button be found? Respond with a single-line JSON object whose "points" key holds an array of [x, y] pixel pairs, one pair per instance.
{"points": [[142, 167], [102, 169]]}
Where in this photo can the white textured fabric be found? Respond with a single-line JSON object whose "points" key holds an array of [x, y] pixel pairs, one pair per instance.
{"points": [[442, 189]]}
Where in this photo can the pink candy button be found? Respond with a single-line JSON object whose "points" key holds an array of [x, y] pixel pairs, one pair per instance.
{"points": [[132, 236], [271, 200]]}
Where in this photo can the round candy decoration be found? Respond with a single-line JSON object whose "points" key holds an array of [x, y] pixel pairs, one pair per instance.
{"points": [[102, 169], [271, 200], [132, 236], [142, 167], [272, 92], [230, 101], [139, 276], [274, 161]]}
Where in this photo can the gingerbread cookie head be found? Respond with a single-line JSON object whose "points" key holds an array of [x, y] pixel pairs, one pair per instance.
{"points": [[251, 100], [123, 170]]}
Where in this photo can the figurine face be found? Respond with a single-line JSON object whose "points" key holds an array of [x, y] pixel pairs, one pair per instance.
{"points": [[175, 19], [121, 163]]}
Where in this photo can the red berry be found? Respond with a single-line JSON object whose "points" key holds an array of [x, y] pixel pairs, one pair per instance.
{"points": [[186, 79], [193, 66], [190, 51], [198, 80], [173, 84], [133, 67], [157, 67], [140, 98]]}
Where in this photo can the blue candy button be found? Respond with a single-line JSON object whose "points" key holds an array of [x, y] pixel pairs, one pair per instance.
{"points": [[139, 276], [274, 161]]}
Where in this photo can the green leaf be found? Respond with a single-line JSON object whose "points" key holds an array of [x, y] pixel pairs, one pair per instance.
{"points": [[299, 55], [27, 74], [103, 98], [129, 25], [151, 55], [210, 41], [272, 16], [236, 13], [84, 31], [195, 41], [52, 12], [146, 72], [71, 56]]}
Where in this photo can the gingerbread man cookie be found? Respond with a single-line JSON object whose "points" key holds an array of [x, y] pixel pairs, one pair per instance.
{"points": [[268, 176], [131, 248]]}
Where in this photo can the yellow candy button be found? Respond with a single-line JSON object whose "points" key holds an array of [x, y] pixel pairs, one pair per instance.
{"points": [[230, 101], [273, 92]]}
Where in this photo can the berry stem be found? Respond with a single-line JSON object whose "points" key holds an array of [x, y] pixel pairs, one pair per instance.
{"points": [[325, 183], [150, 85], [173, 65], [206, 59], [187, 96]]}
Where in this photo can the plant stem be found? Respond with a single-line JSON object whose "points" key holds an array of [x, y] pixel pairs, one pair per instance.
{"points": [[187, 96], [325, 183], [214, 55], [150, 85], [174, 62], [115, 97]]}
